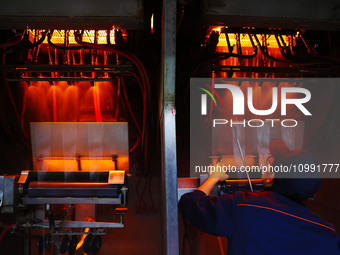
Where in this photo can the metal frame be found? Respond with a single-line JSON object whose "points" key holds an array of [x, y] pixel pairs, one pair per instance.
{"points": [[168, 125], [84, 224], [71, 200], [251, 69], [71, 79], [68, 68]]}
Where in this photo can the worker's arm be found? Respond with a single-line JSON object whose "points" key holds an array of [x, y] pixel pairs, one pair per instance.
{"points": [[213, 215], [213, 179]]}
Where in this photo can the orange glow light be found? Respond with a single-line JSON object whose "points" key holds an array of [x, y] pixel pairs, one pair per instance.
{"points": [[86, 164], [151, 23], [58, 36], [82, 239], [245, 40]]}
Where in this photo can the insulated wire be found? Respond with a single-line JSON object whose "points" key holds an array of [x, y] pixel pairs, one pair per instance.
{"points": [[5, 231], [141, 70], [139, 136], [11, 97], [23, 109], [129, 106]]}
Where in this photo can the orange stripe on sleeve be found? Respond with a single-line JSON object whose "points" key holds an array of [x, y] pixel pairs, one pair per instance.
{"points": [[272, 209]]}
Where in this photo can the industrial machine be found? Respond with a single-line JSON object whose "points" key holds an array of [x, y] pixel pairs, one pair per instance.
{"points": [[80, 82], [74, 73], [75, 171]]}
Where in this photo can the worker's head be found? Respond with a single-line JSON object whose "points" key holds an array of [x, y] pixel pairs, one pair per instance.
{"points": [[296, 185]]}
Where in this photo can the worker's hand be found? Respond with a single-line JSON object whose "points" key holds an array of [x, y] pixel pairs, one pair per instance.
{"points": [[214, 178], [267, 178], [219, 176]]}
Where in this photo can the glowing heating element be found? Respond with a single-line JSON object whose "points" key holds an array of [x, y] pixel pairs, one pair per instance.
{"points": [[58, 36], [80, 146], [245, 40], [74, 164]]}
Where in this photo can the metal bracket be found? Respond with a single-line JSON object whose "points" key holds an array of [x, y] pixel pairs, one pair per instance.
{"points": [[116, 177], [115, 160], [23, 177]]}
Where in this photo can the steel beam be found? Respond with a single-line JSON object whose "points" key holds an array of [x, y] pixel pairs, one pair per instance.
{"points": [[71, 79], [168, 125], [70, 200], [84, 224]]}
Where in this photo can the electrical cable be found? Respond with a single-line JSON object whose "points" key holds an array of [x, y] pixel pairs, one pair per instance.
{"points": [[135, 145], [143, 192], [40, 41], [266, 54], [122, 52], [144, 95], [127, 113], [11, 97], [143, 74], [150, 194], [108, 37], [12, 41], [23, 110], [6, 230], [142, 91], [219, 56], [313, 60], [228, 55], [181, 17], [129, 106], [140, 196], [35, 44]]}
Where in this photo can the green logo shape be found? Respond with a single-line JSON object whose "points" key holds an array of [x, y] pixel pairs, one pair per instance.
{"points": [[212, 97]]}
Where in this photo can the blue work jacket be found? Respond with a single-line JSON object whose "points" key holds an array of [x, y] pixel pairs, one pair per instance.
{"points": [[263, 223]]}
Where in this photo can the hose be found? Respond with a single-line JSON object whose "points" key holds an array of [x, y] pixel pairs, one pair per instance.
{"points": [[37, 43], [5, 231], [12, 41]]}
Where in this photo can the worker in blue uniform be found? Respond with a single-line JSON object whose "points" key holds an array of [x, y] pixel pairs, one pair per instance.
{"points": [[273, 221]]}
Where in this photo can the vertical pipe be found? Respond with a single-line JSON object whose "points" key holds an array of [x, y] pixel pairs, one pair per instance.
{"points": [[168, 128]]}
